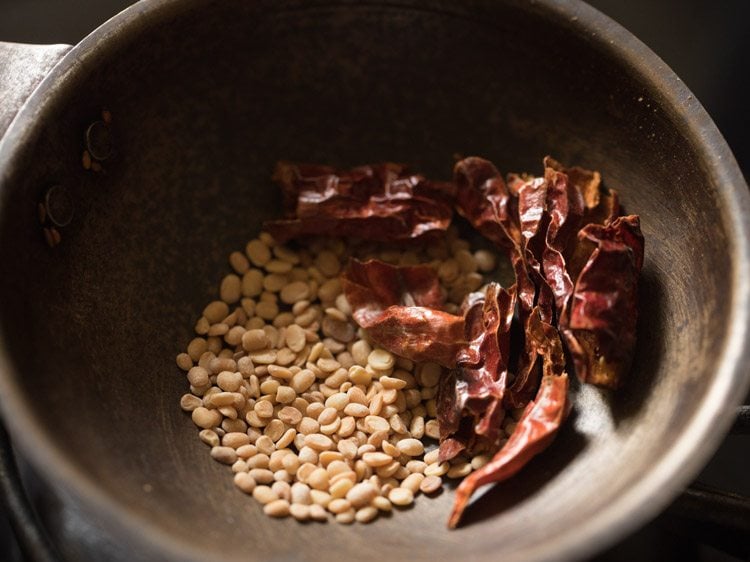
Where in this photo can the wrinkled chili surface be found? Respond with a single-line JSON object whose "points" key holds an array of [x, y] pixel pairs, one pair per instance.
{"points": [[576, 264], [380, 202]]}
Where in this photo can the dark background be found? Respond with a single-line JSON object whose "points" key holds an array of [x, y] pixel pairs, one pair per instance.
{"points": [[707, 43]]}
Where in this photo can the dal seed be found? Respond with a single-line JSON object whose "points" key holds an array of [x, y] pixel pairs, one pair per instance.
{"points": [[216, 311], [345, 518], [196, 348], [416, 466], [264, 357], [295, 338], [479, 461], [287, 438], [382, 503], [285, 395], [432, 456], [432, 429], [263, 408], [318, 442], [282, 489], [225, 455], [294, 292], [261, 475], [209, 437], [328, 263], [229, 381], [401, 496], [338, 506], [267, 310], [301, 493], [205, 418], [356, 410], [376, 423], [392, 383], [413, 482], [302, 380], [381, 360], [361, 494], [459, 470], [431, 484], [252, 283], [375, 459], [485, 260], [437, 469], [366, 514], [337, 401], [239, 262], [184, 361], [235, 440], [319, 497], [299, 511], [230, 289], [258, 252], [275, 429], [278, 266], [340, 488], [284, 253], [278, 508], [247, 451], [244, 482], [430, 374], [318, 479], [198, 376], [190, 402], [254, 340], [328, 415], [264, 494], [318, 513], [290, 415], [265, 445]]}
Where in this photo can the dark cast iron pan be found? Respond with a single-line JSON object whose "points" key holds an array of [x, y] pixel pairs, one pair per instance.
{"points": [[205, 97]]}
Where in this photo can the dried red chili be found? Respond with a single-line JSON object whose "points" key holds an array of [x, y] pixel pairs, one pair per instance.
{"points": [[535, 431], [600, 206], [381, 202], [483, 198], [400, 309], [470, 405], [600, 325]]}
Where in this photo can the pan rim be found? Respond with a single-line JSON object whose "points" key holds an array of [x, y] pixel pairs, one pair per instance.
{"points": [[696, 441]]}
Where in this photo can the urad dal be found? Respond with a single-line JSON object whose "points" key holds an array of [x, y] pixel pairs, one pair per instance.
{"points": [[288, 391]]}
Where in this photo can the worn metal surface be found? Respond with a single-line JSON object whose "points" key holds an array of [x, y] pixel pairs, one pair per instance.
{"points": [[22, 67], [205, 96]]}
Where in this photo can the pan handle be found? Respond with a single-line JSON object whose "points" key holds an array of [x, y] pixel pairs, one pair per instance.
{"points": [[22, 68]]}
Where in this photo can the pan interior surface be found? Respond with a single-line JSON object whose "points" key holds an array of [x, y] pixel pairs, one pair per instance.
{"points": [[205, 97]]}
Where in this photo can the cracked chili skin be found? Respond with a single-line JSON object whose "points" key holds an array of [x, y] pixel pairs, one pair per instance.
{"points": [[400, 307], [599, 327], [379, 202], [470, 403]]}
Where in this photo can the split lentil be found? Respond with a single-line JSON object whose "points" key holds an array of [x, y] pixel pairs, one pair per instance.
{"points": [[287, 390]]}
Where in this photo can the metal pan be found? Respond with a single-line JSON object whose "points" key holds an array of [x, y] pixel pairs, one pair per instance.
{"points": [[204, 97]]}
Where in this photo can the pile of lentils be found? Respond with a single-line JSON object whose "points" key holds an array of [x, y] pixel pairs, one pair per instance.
{"points": [[288, 391]]}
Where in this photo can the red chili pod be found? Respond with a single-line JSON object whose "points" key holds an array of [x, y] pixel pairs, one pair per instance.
{"points": [[534, 432], [399, 306], [600, 325], [381, 202], [475, 398]]}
